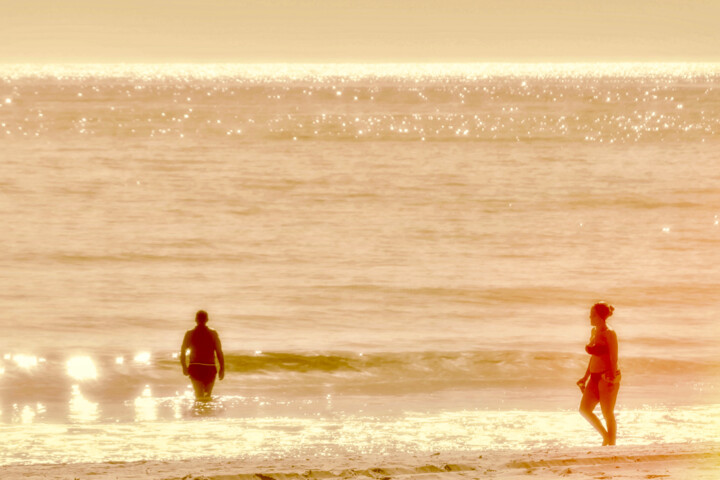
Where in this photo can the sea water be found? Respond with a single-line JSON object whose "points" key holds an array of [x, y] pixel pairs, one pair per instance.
{"points": [[396, 257]]}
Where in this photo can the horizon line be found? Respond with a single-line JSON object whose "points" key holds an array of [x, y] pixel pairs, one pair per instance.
{"points": [[379, 62], [303, 71]]}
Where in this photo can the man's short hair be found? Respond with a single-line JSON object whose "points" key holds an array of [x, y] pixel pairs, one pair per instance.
{"points": [[201, 317]]}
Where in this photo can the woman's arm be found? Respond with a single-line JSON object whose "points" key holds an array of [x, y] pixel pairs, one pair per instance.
{"points": [[581, 383], [583, 380], [612, 351]]}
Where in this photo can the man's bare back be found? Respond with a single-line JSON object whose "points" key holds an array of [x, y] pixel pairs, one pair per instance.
{"points": [[204, 345]]}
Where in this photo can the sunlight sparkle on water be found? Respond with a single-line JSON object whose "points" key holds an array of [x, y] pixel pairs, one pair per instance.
{"points": [[25, 361], [275, 437], [27, 415], [82, 410], [81, 368], [142, 358], [145, 406]]}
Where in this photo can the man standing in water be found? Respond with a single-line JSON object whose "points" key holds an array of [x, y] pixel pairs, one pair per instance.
{"points": [[204, 344]]}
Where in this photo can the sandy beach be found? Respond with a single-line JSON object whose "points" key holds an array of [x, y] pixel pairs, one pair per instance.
{"points": [[696, 461]]}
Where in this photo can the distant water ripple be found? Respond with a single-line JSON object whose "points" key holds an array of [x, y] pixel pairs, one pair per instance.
{"points": [[605, 103]]}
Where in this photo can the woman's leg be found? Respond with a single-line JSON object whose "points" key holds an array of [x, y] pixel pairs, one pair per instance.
{"points": [[608, 396], [588, 403]]}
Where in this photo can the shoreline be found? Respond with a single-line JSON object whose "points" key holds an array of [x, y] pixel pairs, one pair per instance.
{"points": [[697, 461]]}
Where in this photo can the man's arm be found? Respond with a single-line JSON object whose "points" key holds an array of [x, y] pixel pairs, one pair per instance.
{"points": [[220, 356], [183, 349]]}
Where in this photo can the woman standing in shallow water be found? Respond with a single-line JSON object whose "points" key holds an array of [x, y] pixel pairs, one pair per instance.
{"points": [[602, 378]]}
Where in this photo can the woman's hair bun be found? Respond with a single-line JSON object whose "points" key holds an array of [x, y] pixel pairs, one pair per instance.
{"points": [[604, 309]]}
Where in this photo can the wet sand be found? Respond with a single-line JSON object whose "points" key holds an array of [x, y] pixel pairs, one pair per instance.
{"points": [[698, 461]]}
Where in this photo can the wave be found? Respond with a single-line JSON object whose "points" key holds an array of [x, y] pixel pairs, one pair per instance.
{"points": [[487, 365], [275, 376]]}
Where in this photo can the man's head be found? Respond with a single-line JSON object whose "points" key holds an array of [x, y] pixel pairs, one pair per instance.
{"points": [[201, 317]]}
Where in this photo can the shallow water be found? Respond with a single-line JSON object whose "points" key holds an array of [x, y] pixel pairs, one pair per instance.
{"points": [[269, 438], [410, 241]]}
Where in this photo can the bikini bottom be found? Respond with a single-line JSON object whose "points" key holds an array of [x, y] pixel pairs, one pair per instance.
{"points": [[593, 385]]}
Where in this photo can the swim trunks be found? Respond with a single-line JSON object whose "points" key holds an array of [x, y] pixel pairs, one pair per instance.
{"points": [[202, 373]]}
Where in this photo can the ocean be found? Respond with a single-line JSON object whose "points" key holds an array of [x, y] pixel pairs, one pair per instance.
{"points": [[397, 258]]}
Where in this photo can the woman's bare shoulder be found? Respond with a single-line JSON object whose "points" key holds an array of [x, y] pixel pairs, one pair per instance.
{"points": [[610, 334]]}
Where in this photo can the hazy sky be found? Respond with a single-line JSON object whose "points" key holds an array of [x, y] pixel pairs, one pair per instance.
{"points": [[358, 30]]}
